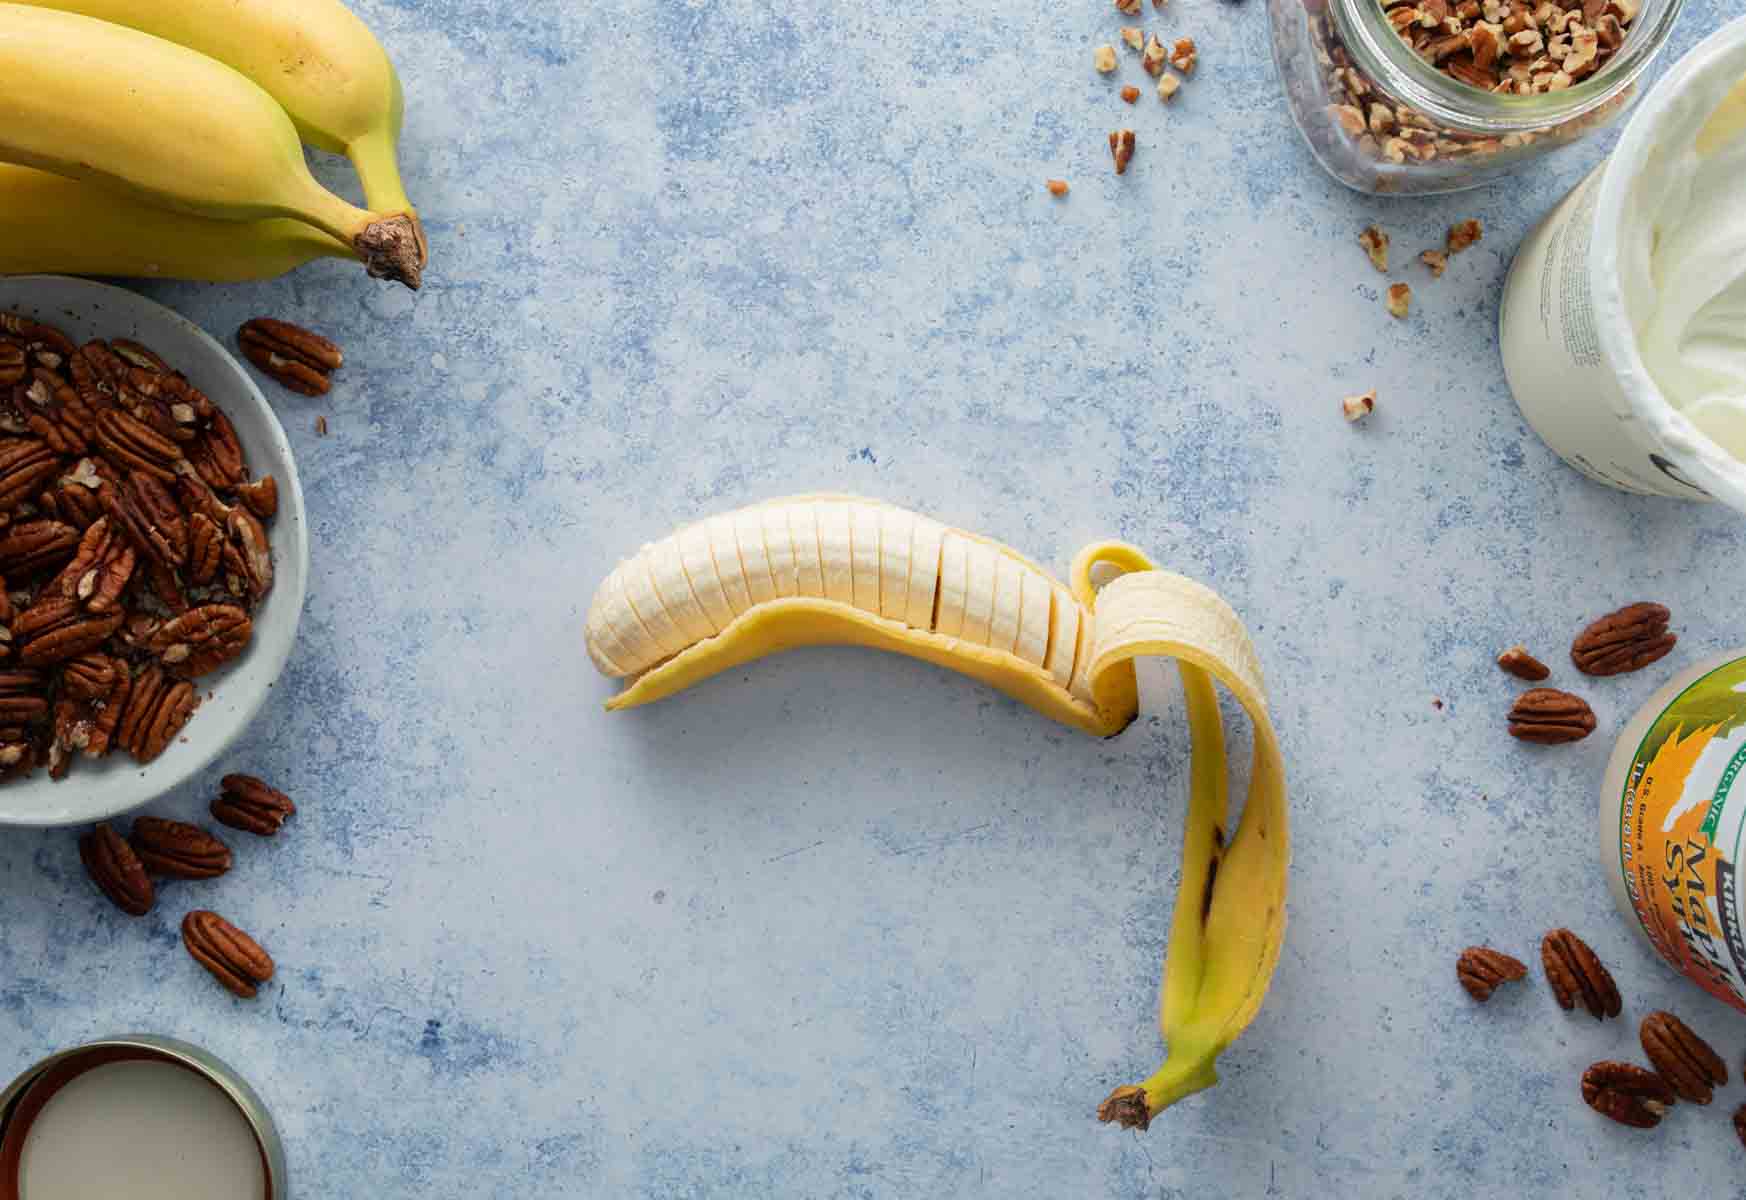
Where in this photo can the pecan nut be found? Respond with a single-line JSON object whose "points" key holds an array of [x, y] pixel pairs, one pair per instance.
{"points": [[203, 639], [233, 957], [1518, 662], [23, 697], [133, 445], [297, 358], [1626, 640], [248, 558], [217, 455], [36, 546], [1481, 969], [261, 496], [55, 629], [252, 806], [1629, 1094], [13, 366], [139, 356], [25, 465], [178, 849], [89, 676], [1548, 717], [1692, 1069], [157, 709], [1576, 974], [117, 871], [146, 511]]}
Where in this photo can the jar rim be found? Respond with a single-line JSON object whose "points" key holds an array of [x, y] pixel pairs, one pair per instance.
{"points": [[1383, 54]]}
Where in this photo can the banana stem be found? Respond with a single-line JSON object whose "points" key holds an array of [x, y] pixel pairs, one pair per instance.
{"points": [[1134, 1106], [373, 156], [390, 245]]}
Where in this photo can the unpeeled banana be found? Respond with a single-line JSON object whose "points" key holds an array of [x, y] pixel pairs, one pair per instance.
{"points": [[810, 570], [315, 57], [96, 101]]}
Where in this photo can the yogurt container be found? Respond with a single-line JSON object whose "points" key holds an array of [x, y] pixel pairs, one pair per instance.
{"points": [[1623, 323], [1673, 820]]}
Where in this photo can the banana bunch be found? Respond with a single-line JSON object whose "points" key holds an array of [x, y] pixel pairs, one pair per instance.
{"points": [[164, 137], [813, 570]]}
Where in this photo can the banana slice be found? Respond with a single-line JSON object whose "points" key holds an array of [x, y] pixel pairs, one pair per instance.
{"points": [[780, 546], [864, 543], [754, 558], [896, 533], [1063, 637], [981, 565], [668, 570], [1036, 611], [700, 571], [1003, 629], [809, 568], [645, 603], [724, 548], [924, 572], [835, 549], [954, 584]]}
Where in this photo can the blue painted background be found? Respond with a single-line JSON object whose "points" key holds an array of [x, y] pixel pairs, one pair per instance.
{"points": [[840, 925]]}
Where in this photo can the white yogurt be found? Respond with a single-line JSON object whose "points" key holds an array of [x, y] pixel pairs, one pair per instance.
{"points": [[1623, 324], [146, 1130]]}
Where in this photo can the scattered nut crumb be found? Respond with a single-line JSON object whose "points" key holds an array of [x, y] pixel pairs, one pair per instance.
{"points": [[1104, 59], [1159, 4], [1130, 93], [1121, 146], [1057, 187], [1133, 36], [1131, 7], [1183, 56], [1400, 300], [1437, 703], [1168, 86], [1465, 234], [1436, 260], [1375, 243], [321, 427], [1518, 662], [1357, 408], [1152, 58]]}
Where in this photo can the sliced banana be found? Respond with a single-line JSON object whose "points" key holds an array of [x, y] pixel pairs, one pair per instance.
{"points": [[1064, 637], [982, 567], [668, 569], [645, 602], [779, 544], [749, 534], [896, 533], [1036, 611], [864, 544], [836, 553], [924, 572], [954, 584], [1003, 628], [808, 567], [700, 571], [725, 550]]}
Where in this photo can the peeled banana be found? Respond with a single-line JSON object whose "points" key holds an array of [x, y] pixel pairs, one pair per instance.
{"points": [[96, 101], [315, 57], [52, 224], [809, 570]]}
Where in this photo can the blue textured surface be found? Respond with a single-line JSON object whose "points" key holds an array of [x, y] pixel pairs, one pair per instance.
{"points": [[841, 925]]}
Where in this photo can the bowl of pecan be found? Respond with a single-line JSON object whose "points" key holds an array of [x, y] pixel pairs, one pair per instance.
{"points": [[153, 550]]}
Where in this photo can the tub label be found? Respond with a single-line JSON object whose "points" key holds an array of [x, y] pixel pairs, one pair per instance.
{"points": [[1681, 820]]}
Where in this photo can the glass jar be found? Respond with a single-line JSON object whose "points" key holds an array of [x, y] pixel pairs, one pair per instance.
{"points": [[1379, 117]]}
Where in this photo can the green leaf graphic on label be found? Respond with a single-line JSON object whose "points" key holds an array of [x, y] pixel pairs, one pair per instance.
{"points": [[1712, 700]]}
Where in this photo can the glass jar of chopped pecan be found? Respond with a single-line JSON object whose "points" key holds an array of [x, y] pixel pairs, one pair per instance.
{"points": [[1424, 96]]}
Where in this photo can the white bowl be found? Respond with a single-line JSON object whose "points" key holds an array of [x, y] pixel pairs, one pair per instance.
{"points": [[234, 693]]}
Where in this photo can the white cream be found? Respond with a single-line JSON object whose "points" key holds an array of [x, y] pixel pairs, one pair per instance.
{"points": [[143, 1130], [1683, 260]]}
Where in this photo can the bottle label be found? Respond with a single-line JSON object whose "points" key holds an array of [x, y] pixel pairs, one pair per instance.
{"points": [[1681, 818]]}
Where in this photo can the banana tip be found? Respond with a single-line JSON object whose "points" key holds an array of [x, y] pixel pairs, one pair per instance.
{"points": [[1127, 1107], [393, 248]]}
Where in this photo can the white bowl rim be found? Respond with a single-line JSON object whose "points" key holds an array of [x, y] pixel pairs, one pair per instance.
{"points": [[271, 647]]}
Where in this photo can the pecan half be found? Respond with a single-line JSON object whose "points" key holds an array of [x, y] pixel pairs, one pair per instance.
{"points": [[35, 546], [178, 849], [203, 639], [1548, 716], [253, 559], [248, 804], [133, 445], [1518, 662], [233, 957], [108, 714], [297, 358], [56, 628], [261, 496], [136, 355], [1629, 1094], [13, 367], [1576, 974], [117, 871], [1627, 640], [157, 708], [1481, 969], [23, 697], [217, 454], [99, 572], [205, 549], [89, 676], [1683, 1058], [25, 464], [144, 509]]}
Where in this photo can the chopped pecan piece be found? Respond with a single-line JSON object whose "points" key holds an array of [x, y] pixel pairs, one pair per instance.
{"points": [[1576, 974], [1518, 662], [117, 871], [1400, 298], [233, 957], [1057, 187], [1356, 408], [1436, 261], [178, 849], [1627, 640], [1131, 94], [203, 639], [1152, 58], [1464, 234], [1683, 1058], [297, 358], [248, 804], [1375, 243], [1548, 716], [1104, 59], [1629, 1094], [1183, 55], [1121, 148], [1481, 969], [1133, 37]]}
